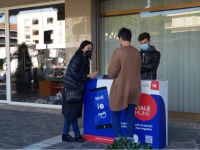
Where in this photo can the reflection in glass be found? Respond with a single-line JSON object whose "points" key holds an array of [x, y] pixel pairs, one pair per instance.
{"points": [[42, 81], [116, 5], [2, 58], [175, 34]]}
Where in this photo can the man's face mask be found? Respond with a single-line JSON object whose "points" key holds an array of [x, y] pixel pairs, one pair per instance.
{"points": [[144, 46], [88, 54]]}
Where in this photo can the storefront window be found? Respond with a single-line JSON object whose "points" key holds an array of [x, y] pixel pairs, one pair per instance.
{"points": [[38, 55], [113, 5], [116, 5], [2, 58], [175, 34]]}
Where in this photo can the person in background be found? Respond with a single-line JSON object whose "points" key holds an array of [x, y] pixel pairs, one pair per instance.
{"points": [[150, 57], [77, 74], [124, 69]]}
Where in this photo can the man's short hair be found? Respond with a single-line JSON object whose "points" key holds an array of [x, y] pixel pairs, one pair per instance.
{"points": [[143, 36], [125, 34]]}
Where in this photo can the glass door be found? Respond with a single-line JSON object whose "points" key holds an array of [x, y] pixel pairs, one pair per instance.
{"points": [[4, 58]]}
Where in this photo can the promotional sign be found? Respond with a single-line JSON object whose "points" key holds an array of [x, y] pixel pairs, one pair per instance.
{"points": [[102, 115], [150, 115]]}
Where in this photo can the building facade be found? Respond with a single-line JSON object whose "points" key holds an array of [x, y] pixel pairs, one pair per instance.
{"points": [[174, 29], [32, 25]]}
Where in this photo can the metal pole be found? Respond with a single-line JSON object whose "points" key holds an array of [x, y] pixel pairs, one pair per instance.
{"points": [[46, 59], [8, 67]]}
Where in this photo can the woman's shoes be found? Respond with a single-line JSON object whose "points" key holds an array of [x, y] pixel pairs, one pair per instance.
{"points": [[79, 139], [67, 137]]}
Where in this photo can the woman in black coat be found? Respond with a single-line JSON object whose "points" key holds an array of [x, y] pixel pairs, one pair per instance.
{"points": [[76, 76]]}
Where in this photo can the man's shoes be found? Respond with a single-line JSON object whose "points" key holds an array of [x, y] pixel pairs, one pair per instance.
{"points": [[79, 139], [67, 137]]}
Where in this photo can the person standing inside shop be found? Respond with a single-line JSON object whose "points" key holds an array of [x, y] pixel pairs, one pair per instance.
{"points": [[124, 69], [77, 74], [150, 57]]}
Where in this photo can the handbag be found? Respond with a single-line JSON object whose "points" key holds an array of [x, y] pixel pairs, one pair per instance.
{"points": [[72, 96]]}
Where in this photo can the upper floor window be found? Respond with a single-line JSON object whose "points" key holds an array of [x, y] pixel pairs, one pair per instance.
{"points": [[2, 40], [36, 41], [35, 21], [28, 36], [13, 34], [2, 32], [35, 32], [49, 20]]}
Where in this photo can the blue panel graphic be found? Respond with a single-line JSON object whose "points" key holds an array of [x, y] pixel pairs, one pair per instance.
{"points": [[97, 117]]}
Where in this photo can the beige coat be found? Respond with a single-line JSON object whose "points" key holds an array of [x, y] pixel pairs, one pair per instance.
{"points": [[125, 70]]}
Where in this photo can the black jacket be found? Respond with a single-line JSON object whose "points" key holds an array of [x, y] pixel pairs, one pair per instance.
{"points": [[150, 60], [76, 73], [75, 78]]}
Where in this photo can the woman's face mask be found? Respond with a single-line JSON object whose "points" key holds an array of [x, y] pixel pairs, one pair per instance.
{"points": [[88, 53], [144, 46]]}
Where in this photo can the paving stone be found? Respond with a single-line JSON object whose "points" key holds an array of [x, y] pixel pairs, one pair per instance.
{"points": [[184, 145], [64, 145], [22, 128], [19, 129]]}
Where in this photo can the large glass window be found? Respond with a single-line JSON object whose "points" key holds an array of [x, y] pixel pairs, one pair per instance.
{"points": [[175, 34], [37, 74], [2, 58], [116, 5]]}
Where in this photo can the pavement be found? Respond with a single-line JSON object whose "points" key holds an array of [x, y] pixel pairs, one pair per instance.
{"points": [[38, 128]]}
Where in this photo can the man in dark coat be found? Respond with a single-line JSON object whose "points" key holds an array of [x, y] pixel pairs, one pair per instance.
{"points": [[76, 76], [150, 58]]}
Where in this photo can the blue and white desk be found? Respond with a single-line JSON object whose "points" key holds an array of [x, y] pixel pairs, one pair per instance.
{"points": [[151, 124]]}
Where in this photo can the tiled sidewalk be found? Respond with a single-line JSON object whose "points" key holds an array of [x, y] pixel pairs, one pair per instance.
{"points": [[22, 127]]}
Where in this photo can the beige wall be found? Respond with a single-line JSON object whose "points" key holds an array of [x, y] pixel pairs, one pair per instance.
{"points": [[79, 26]]}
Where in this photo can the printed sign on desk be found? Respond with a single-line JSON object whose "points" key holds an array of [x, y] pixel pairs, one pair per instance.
{"points": [[102, 114], [150, 124], [97, 115], [151, 114]]}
